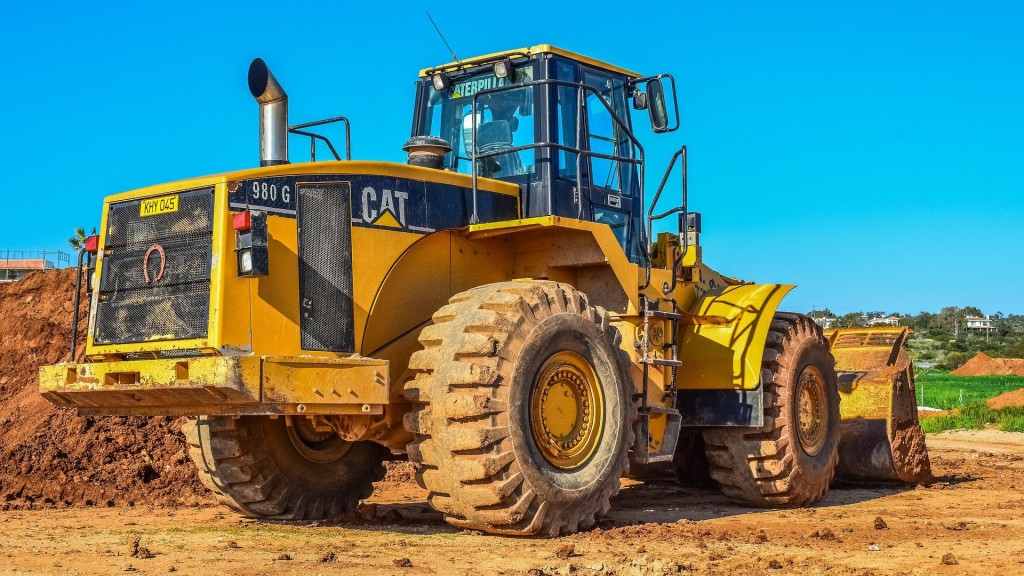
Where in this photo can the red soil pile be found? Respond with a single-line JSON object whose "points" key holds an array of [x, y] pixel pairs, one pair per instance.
{"points": [[1012, 398], [51, 456], [985, 365]]}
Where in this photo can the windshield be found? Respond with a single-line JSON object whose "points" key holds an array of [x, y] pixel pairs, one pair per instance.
{"points": [[503, 121]]}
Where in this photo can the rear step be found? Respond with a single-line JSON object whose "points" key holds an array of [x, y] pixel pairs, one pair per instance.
{"points": [[667, 448]]}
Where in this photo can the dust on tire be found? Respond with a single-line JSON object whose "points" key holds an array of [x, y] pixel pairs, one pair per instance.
{"points": [[767, 467], [472, 441]]}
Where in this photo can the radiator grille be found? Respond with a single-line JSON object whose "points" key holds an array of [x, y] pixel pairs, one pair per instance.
{"points": [[325, 267], [155, 283]]}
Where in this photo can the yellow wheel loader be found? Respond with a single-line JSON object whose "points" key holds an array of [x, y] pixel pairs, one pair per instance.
{"points": [[497, 308]]}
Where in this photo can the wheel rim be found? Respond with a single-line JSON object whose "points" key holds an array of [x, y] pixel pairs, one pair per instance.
{"points": [[566, 410], [812, 411], [313, 445]]}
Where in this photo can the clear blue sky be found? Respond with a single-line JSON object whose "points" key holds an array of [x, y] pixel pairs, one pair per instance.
{"points": [[870, 152]]}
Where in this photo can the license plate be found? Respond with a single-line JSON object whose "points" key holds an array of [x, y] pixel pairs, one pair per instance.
{"points": [[161, 205]]}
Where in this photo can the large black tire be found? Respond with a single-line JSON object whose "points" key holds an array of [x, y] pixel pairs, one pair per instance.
{"points": [[790, 461], [486, 352], [266, 468]]}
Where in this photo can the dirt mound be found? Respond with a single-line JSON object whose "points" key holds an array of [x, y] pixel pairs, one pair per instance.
{"points": [[984, 365], [50, 456], [1012, 398]]}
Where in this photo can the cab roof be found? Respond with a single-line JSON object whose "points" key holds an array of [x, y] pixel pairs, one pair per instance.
{"points": [[538, 49]]}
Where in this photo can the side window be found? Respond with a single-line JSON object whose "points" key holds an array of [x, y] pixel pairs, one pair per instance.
{"points": [[604, 172], [606, 136], [567, 125]]}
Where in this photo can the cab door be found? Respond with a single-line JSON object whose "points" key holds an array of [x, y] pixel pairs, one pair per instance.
{"points": [[613, 183]]}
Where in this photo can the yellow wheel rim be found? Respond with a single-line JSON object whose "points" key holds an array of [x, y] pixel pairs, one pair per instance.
{"points": [[812, 410], [566, 410]]}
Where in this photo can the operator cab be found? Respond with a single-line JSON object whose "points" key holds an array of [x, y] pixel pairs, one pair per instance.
{"points": [[553, 122]]}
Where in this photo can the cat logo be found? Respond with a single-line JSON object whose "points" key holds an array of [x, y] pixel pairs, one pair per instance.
{"points": [[383, 211], [145, 263]]}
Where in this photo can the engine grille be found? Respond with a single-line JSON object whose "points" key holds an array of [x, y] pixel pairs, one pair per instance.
{"points": [[155, 283], [325, 267]]}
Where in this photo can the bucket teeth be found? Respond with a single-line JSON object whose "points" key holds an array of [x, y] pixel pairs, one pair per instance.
{"points": [[880, 436]]}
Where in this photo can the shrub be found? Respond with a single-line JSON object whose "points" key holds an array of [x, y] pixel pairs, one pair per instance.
{"points": [[954, 360]]}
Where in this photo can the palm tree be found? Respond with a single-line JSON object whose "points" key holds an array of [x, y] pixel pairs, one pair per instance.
{"points": [[78, 240]]}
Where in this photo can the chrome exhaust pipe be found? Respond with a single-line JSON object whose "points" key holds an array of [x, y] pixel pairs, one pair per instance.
{"points": [[273, 114]]}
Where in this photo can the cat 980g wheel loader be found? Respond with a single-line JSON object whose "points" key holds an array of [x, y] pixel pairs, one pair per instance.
{"points": [[498, 308]]}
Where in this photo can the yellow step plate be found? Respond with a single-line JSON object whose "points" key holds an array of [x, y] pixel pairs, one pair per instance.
{"points": [[213, 385]]}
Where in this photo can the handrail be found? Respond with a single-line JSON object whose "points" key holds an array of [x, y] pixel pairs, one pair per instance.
{"points": [[78, 296], [313, 137], [582, 87], [651, 217]]}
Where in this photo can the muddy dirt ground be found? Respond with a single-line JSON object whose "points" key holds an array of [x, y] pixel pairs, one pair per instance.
{"points": [[969, 522]]}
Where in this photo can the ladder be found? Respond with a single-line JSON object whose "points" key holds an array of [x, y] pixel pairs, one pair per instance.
{"points": [[670, 360]]}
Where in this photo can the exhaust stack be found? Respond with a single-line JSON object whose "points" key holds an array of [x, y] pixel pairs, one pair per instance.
{"points": [[273, 114]]}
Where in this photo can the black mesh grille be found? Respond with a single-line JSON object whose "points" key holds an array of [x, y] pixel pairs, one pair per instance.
{"points": [[137, 300], [325, 267]]}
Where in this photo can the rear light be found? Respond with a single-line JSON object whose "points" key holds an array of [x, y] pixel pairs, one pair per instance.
{"points": [[251, 241], [242, 221], [91, 244]]}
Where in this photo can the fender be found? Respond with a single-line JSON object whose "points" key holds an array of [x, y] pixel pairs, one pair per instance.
{"points": [[721, 349]]}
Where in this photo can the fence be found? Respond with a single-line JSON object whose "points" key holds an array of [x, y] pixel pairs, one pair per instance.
{"points": [[16, 263]]}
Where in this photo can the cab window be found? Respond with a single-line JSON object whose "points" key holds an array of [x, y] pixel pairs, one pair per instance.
{"points": [[504, 121], [606, 135]]}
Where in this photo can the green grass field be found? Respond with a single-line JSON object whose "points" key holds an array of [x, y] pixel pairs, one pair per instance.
{"points": [[976, 417], [945, 391], [966, 396]]}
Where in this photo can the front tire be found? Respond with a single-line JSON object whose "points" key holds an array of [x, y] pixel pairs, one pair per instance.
{"points": [[276, 469], [791, 460], [523, 416]]}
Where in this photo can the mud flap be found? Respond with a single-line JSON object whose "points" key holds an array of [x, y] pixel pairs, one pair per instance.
{"points": [[644, 440], [880, 436]]}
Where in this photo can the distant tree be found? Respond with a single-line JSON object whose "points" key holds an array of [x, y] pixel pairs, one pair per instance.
{"points": [[851, 320], [951, 319], [972, 311], [826, 313], [78, 240], [922, 321]]}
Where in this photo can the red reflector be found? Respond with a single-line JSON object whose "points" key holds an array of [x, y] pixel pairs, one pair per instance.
{"points": [[243, 221], [91, 244]]}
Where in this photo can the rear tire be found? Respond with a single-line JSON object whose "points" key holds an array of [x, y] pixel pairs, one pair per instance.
{"points": [[266, 468], [523, 413], [791, 460]]}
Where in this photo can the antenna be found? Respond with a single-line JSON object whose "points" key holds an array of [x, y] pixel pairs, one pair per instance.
{"points": [[454, 57]]}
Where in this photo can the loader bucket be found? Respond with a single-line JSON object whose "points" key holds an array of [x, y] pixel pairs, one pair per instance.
{"points": [[880, 436]]}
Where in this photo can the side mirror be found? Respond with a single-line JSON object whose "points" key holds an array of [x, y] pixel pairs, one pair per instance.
{"points": [[657, 107]]}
